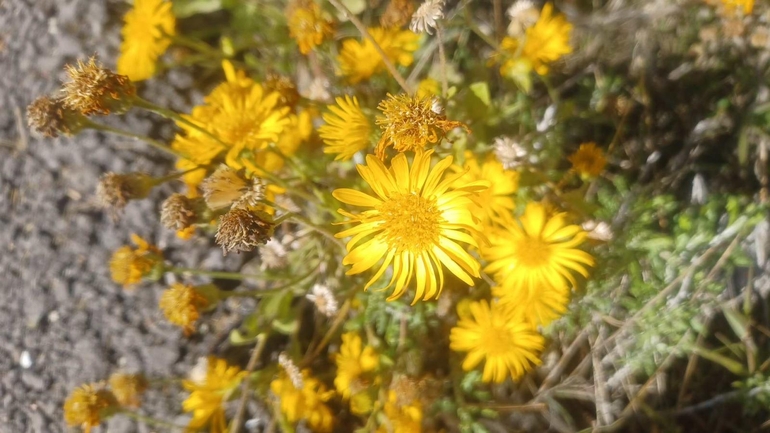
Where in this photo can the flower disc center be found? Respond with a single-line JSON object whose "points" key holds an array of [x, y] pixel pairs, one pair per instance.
{"points": [[410, 222]]}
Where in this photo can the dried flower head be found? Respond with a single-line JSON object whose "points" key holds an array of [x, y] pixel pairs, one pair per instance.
{"points": [[241, 229], [88, 405], [598, 230], [182, 304], [94, 89], [272, 255], [323, 299], [114, 190], [128, 388], [226, 187], [291, 369], [397, 13], [50, 117], [307, 24], [128, 266], [285, 87], [410, 123], [588, 160], [426, 16], [523, 15], [179, 212], [510, 153]]}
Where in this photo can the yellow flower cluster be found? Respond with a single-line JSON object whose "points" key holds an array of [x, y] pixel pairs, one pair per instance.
{"points": [[307, 402], [355, 368], [147, 33], [90, 404], [211, 385]]}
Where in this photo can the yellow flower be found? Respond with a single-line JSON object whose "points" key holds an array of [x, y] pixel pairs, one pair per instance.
{"points": [[588, 160], [494, 333], [88, 405], [428, 88], [181, 304], [401, 418], [415, 222], [128, 388], [347, 129], [209, 393], [243, 117], [547, 305], [128, 266], [144, 39], [297, 131], [496, 200], [733, 6], [307, 403], [534, 252], [544, 43], [307, 24], [354, 368], [410, 123], [360, 60]]}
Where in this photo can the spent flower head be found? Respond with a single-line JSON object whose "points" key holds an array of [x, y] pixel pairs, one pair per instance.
{"points": [[411, 123], [179, 212], [523, 15], [324, 300], [128, 388], [181, 304], [115, 190], [588, 160], [426, 16], [510, 153], [242, 229], [94, 89], [397, 13], [51, 117]]}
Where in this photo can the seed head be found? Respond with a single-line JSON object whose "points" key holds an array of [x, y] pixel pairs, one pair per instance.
{"points": [[94, 89], [510, 153], [272, 255], [324, 300], [114, 190], [295, 376], [128, 388], [397, 14], [226, 187], [242, 229], [285, 87], [50, 117], [88, 405], [426, 16], [179, 212], [523, 15]]}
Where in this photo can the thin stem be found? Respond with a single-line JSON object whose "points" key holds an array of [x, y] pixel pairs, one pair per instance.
{"points": [[329, 334], [173, 115], [362, 28], [235, 425], [217, 274], [260, 293], [150, 420], [152, 142], [442, 61], [196, 45], [475, 29], [306, 222], [177, 175]]}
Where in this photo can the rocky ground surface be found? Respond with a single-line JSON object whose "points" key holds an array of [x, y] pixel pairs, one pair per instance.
{"points": [[64, 322]]}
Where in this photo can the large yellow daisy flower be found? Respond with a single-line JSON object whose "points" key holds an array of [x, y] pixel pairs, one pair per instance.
{"points": [[415, 222], [144, 39], [534, 252], [496, 333]]}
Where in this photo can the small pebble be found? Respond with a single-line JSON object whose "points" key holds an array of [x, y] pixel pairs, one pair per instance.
{"points": [[25, 360]]}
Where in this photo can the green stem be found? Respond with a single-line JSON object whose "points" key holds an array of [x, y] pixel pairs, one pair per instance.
{"points": [[216, 274], [475, 28], [260, 293], [150, 420], [306, 222], [152, 142], [177, 175]]}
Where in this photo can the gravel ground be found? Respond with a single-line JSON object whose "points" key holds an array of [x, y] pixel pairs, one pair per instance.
{"points": [[64, 322]]}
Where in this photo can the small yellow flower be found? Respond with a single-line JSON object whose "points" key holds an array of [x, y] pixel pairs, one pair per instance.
{"points": [[401, 418], [354, 367], [88, 405], [128, 388], [347, 129], [307, 25], [145, 38], [544, 43], [182, 304], [415, 222], [360, 60], [428, 88], [588, 160], [244, 117], [410, 123], [540, 309], [209, 393], [94, 89], [533, 253], [128, 266], [733, 6], [307, 403], [498, 335], [496, 200]]}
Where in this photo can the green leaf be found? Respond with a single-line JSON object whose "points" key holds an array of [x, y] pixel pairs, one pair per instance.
{"points": [[743, 147], [481, 90], [186, 8], [733, 366], [738, 322]]}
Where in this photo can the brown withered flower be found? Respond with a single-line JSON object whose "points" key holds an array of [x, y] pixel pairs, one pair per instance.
{"points": [[50, 117], [114, 190], [94, 89], [397, 13], [128, 388], [88, 405], [226, 187], [284, 86], [242, 229], [179, 212]]}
